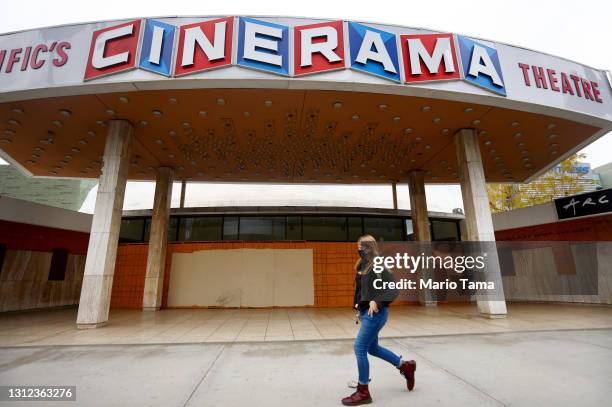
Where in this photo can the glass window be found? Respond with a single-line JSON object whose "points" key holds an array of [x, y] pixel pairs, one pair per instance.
{"points": [[324, 228], [131, 230], [172, 229], [262, 228], [200, 228], [230, 227], [147, 229], [409, 230], [355, 228], [294, 228], [444, 230], [387, 229]]}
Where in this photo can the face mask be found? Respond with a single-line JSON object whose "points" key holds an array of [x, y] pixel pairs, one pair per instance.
{"points": [[362, 253]]}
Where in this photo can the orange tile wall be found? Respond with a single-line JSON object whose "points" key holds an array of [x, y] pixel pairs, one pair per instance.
{"points": [[332, 267]]}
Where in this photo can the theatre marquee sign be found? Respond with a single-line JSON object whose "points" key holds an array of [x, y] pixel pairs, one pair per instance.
{"points": [[169, 49]]}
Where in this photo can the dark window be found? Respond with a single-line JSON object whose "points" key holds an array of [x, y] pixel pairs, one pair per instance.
{"points": [[294, 228], [59, 260], [147, 229], [131, 230], [2, 256], [262, 228], [230, 227], [324, 228], [355, 228], [387, 229], [173, 229], [444, 230], [201, 229]]}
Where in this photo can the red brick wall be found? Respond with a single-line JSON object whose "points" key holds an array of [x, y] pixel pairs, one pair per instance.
{"points": [[596, 228]]}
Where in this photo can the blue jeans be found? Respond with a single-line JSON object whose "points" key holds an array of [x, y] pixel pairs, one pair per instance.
{"points": [[367, 342]]}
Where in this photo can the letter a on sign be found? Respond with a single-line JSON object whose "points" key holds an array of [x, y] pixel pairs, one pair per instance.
{"points": [[373, 51], [318, 47], [429, 57], [113, 49], [204, 45], [481, 65]]}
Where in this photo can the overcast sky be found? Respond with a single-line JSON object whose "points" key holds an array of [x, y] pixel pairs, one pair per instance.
{"points": [[578, 31]]}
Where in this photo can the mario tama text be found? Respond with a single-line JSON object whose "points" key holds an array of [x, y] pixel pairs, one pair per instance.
{"points": [[432, 284]]}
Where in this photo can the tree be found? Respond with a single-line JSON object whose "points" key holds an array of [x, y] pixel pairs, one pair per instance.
{"points": [[561, 180]]}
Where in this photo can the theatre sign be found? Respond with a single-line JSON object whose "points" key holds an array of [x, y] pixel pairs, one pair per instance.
{"points": [[297, 53]]}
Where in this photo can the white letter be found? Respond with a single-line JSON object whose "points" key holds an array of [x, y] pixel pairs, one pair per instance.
{"points": [[377, 264], [252, 42], [379, 55], [195, 36], [156, 44], [98, 60], [486, 68], [441, 51], [326, 48], [378, 287]]}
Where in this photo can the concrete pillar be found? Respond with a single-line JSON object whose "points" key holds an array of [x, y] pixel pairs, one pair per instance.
{"points": [[418, 206], [394, 191], [104, 236], [420, 228], [478, 221], [158, 240]]}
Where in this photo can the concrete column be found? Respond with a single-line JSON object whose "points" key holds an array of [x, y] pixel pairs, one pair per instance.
{"points": [[158, 240], [394, 191], [478, 221], [104, 236], [420, 228], [418, 206]]}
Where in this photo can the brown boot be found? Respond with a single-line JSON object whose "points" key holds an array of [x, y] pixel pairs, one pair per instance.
{"points": [[407, 370], [361, 396]]}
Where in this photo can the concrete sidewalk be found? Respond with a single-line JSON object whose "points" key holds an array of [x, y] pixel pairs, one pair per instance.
{"points": [[556, 368]]}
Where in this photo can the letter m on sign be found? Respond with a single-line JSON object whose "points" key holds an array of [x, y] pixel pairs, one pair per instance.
{"points": [[429, 57]]}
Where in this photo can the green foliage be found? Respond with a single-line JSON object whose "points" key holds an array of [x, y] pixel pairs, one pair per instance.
{"points": [[555, 183]]}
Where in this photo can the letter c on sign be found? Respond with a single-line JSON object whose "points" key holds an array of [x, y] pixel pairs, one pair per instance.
{"points": [[98, 60]]}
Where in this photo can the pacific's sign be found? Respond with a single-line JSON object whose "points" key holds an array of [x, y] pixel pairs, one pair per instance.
{"points": [[167, 50]]}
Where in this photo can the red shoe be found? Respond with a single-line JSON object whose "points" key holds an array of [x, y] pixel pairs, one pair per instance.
{"points": [[361, 396], [407, 370]]}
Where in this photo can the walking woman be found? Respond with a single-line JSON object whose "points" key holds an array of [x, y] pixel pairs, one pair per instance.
{"points": [[373, 309]]}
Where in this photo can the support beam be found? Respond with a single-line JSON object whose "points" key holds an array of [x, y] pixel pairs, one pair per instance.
{"points": [[420, 228], [183, 189], [394, 191], [418, 206], [104, 237], [158, 240], [478, 221]]}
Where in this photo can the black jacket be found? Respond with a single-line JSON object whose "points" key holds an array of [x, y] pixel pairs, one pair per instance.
{"points": [[366, 292]]}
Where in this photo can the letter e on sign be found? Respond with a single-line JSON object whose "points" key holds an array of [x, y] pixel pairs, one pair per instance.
{"points": [[113, 49], [318, 47], [429, 57]]}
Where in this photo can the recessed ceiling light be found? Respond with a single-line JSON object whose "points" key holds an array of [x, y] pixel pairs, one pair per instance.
{"points": [[521, 144], [91, 133], [552, 136], [444, 131], [426, 108], [101, 123], [267, 103], [427, 147], [171, 156], [46, 141], [476, 122], [488, 143], [82, 142], [337, 105], [553, 152], [517, 134], [88, 168], [526, 159], [551, 126], [123, 99], [172, 100], [110, 112], [221, 102], [186, 124], [419, 139], [9, 132], [6, 140], [407, 130], [13, 122], [144, 123], [65, 112], [553, 145], [246, 114], [397, 119], [31, 162], [39, 149], [413, 161], [382, 106], [17, 110], [159, 141], [515, 124], [68, 157], [172, 133], [35, 156], [57, 123], [468, 110], [482, 133], [53, 172], [355, 117], [75, 150], [527, 165], [157, 113], [436, 120]]}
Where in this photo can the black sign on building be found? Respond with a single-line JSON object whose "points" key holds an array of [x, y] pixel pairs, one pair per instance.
{"points": [[590, 203]]}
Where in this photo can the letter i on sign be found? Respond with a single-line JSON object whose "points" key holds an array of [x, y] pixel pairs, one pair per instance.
{"points": [[157, 47]]}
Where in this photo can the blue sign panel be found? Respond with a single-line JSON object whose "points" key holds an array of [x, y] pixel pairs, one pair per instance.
{"points": [[157, 47], [481, 65], [373, 51], [263, 46]]}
